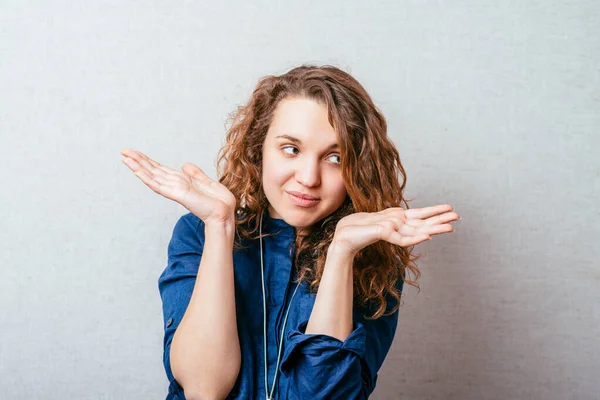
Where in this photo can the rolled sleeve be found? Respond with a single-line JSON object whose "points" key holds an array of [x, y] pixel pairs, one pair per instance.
{"points": [[299, 342], [177, 281], [323, 367]]}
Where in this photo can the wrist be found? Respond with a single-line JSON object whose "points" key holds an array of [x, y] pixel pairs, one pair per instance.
{"points": [[340, 246], [340, 251], [221, 226]]}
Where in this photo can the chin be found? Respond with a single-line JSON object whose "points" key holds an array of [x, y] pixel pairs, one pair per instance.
{"points": [[295, 218]]}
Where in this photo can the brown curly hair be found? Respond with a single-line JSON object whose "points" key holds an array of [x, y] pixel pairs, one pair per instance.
{"points": [[371, 169]]}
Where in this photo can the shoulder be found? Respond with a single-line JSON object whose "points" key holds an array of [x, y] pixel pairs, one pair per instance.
{"points": [[188, 228], [190, 219]]}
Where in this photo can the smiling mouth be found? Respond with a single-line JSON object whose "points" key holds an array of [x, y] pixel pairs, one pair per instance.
{"points": [[303, 195], [299, 201]]}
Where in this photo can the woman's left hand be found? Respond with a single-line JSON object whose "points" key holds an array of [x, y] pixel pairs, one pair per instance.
{"points": [[395, 225]]}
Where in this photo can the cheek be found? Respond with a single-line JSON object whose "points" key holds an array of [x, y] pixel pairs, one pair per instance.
{"points": [[336, 185], [273, 177], [273, 169], [341, 192]]}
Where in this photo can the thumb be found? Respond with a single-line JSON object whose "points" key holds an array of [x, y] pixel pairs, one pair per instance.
{"points": [[193, 171]]}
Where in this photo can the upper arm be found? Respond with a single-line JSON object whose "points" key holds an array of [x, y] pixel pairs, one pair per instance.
{"points": [[177, 281]]}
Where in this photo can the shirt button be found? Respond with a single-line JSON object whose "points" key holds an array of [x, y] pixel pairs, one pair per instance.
{"points": [[169, 322]]}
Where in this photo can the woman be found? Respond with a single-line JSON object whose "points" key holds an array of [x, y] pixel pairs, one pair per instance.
{"points": [[285, 277]]}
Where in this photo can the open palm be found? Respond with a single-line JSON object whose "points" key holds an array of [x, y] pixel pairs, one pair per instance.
{"points": [[394, 225], [208, 199]]}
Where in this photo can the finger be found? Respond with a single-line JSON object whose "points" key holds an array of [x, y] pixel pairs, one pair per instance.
{"points": [[164, 180], [137, 159], [148, 180], [437, 229], [391, 210], [442, 219], [195, 172], [409, 230], [405, 241], [155, 174], [131, 163], [158, 165], [409, 233], [390, 225], [430, 229], [144, 162], [426, 212], [417, 223]]}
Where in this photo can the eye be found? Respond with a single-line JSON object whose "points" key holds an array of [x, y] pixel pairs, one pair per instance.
{"points": [[288, 147], [295, 148], [338, 156]]}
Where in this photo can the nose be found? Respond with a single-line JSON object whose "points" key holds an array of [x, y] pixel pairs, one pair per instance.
{"points": [[308, 173]]}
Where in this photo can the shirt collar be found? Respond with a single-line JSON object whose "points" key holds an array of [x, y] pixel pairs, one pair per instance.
{"points": [[278, 225]]}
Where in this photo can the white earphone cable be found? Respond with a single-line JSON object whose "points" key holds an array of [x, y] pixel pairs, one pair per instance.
{"points": [[269, 396]]}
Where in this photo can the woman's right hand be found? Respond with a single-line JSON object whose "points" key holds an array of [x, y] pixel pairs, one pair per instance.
{"points": [[209, 200]]}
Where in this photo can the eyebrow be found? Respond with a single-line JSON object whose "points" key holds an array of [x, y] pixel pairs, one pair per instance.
{"points": [[296, 140]]}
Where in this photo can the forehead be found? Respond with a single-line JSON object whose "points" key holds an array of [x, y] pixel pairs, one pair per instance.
{"points": [[304, 119]]}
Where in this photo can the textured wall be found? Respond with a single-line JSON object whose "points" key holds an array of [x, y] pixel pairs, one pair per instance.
{"points": [[493, 105]]}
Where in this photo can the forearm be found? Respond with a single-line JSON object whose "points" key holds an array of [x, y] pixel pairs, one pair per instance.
{"points": [[205, 351], [332, 312]]}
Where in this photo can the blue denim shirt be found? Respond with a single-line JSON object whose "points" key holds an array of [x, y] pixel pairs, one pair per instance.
{"points": [[313, 366]]}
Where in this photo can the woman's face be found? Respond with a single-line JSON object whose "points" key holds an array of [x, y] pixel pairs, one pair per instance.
{"points": [[301, 154]]}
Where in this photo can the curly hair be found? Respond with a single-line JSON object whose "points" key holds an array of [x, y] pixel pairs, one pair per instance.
{"points": [[371, 170]]}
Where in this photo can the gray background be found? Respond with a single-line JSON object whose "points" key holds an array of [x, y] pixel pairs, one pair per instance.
{"points": [[494, 107]]}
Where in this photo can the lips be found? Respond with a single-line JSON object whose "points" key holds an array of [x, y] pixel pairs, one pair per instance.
{"points": [[303, 195], [298, 201]]}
